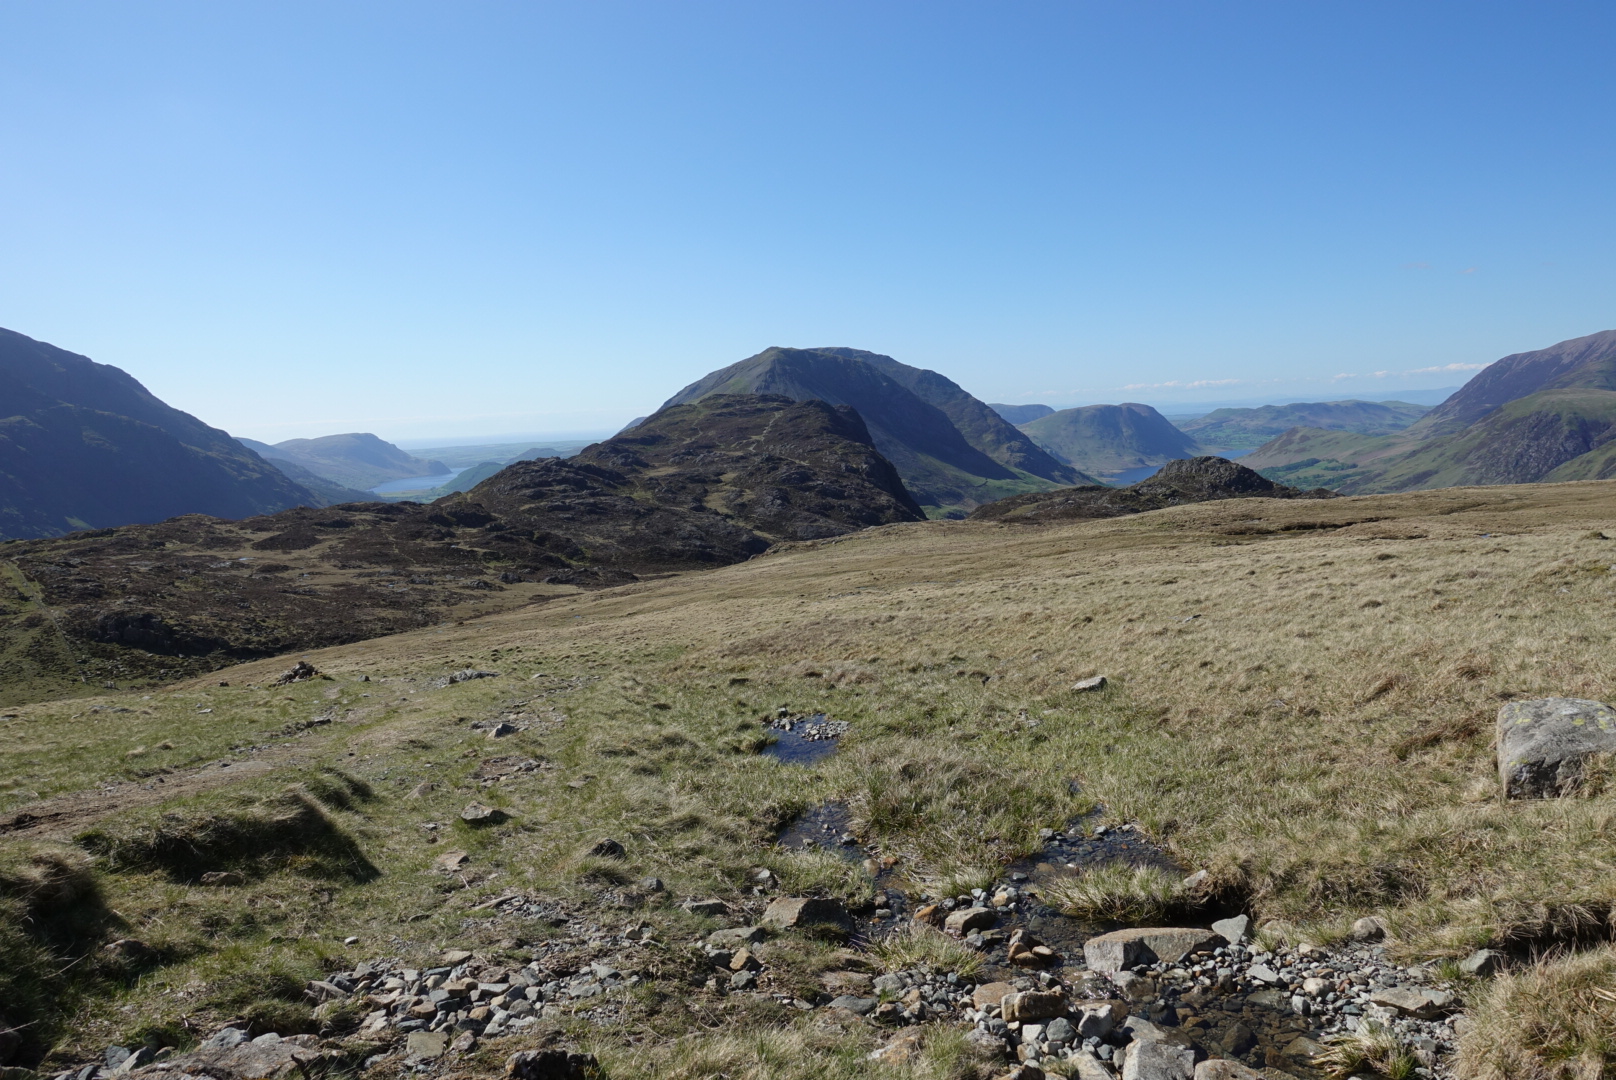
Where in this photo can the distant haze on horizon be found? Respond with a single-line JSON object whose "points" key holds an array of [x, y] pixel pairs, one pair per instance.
{"points": [[428, 220]]}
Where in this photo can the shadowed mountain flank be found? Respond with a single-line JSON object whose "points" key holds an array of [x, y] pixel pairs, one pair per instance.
{"points": [[1192, 480], [84, 445], [953, 451], [698, 485]]}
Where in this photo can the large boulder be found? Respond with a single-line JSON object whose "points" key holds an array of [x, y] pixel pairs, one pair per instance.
{"points": [[268, 1057], [1544, 745], [1146, 945], [1157, 1060], [1221, 1069]]}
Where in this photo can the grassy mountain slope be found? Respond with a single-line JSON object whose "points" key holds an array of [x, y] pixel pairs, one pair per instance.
{"points": [[912, 422], [1238, 429], [357, 460], [1111, 438], [1526, 418], [84, 445], [1020, 414], [695, 485], [1301, 703]]}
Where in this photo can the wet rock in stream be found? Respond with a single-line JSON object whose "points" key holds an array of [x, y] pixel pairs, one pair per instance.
{"points": [[803, 739]]}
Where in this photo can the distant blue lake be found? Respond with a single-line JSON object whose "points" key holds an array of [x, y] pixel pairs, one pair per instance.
{"points": [[415, 483]]}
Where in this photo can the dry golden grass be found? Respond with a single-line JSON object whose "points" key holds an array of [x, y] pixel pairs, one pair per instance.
{"points": [[1302, 701], [1555, 1020]]}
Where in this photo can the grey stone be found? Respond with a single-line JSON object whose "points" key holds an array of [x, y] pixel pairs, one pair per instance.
{"points": [[892, 984], [1096, 1021], [1544, 744], [1085, 1066], [743, 980], [115, 1056], [224, 1039], [1263, 973], [1157, 1060], [859, 1006], [1482, 963], [1414, 1001], [706, 907], [1368, 928], [1083, 686], [1141, 1030], [652, 885], [969, 919], [1146, 945], [478, 814], [735, 937], [607, 849], [1060, 1031], [1235, 931], [789, 912]]}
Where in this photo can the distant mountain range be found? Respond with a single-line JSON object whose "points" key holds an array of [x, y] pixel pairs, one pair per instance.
{"points": [[1106, 439], [358, 461], [1240, 429], [84, 445], [953, 451], [1020, 414], [1547, 415]]}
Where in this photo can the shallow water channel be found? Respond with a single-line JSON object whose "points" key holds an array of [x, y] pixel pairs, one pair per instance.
{"points": [[1258, 1029]]}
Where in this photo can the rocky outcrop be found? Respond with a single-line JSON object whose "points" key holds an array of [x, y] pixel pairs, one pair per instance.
{"points": [[949, 447], [1545, 746], [1201, 479], [700, 485]]}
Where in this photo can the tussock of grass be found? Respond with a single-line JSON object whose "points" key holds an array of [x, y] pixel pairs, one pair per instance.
{"points": [[1555, 1020], [1375, 1051], [1119, 893], [288, 831], [923, 946]]}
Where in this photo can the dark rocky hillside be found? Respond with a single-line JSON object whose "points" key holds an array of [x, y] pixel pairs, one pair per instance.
{"points": [[695, 485], [84, 445], [953, 451], [1193, 480]]}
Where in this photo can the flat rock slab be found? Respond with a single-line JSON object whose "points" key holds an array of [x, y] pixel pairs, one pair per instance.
{"points": [[426, 1045], [1146, 945], [991, 994], [256, 1060], [1544, 745], [1157, 1060], [789, 912], [1414, 1001], [967, 919]]}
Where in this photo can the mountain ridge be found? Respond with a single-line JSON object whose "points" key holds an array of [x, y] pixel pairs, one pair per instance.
{"points": [[87, 446], [952, 451]]}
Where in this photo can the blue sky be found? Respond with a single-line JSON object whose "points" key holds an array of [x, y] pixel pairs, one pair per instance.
{"points": [[475, 218]]}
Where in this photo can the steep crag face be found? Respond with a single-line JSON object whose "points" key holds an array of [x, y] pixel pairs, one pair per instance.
{"points": [[84, 445], [699, 485], [953, 451]]}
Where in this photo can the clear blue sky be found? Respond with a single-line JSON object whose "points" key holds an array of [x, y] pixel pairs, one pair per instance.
{"points": [[478, 217]]}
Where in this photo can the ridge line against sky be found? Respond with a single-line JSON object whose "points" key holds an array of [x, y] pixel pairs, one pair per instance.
{"points": [[426, 219]]}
